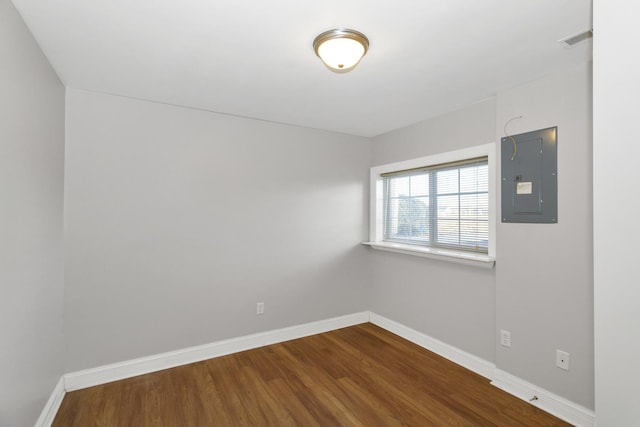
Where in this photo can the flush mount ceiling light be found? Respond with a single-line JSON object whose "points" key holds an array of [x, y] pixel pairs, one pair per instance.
{"points": [[341, 49]]}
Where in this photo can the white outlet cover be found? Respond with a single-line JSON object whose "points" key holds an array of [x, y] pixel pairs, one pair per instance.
{"points": [[562, 359], [505, 338]]}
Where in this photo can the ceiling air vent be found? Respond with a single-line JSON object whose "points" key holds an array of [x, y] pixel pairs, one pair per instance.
{"points": [[573, 40]]}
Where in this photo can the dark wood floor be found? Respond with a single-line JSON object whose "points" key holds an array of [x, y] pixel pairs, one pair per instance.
{"points": [[357, 376]]}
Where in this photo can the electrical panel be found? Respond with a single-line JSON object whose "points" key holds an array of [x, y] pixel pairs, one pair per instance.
{"points": [[529, 164]]}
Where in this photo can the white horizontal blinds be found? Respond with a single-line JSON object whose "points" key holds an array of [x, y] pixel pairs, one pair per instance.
{"points": [[462, 211], [407, 208], [444, 206]]}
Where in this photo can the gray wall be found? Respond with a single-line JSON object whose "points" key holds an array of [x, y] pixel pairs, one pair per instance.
{"points": [[450, 302], [541, 288], [178, 221], [544, 272], [31, 194], [616, 204]]}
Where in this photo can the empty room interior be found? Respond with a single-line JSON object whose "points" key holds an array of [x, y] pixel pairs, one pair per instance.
{"points": [[188, 181]]}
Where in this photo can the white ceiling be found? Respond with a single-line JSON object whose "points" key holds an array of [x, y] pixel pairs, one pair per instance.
{"points": [[255, 58]]}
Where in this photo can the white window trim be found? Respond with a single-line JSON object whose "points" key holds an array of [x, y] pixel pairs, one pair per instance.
{"points": [[461, 257]]}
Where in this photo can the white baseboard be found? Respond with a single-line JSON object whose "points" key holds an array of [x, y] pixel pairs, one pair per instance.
{"points": [[547, 401], [131, 368], [50, 409], [469, 361]]}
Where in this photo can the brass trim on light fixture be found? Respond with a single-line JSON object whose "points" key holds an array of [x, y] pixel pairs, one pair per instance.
{"points": [[341, 33]]}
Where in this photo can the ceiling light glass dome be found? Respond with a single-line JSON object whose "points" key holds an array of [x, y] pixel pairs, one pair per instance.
{"points": [[341, 49]]}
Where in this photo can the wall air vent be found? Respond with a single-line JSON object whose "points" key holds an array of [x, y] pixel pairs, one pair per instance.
{"points": [[575, 39]]}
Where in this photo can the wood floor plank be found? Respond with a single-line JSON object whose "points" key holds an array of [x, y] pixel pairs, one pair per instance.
{"points": [[356, 376]]}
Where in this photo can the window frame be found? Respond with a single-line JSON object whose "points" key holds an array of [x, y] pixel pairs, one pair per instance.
{"points": [[376, 210]]}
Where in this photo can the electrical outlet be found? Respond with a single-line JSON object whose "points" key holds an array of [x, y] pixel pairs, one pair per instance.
{"points": [[260, 308], [562, 360], [505, 338]]}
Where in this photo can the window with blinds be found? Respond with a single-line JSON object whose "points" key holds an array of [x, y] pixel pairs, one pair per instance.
{"points": [[444, 206]]}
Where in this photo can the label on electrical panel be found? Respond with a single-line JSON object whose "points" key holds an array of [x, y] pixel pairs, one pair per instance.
{"points": [[524, 188]]}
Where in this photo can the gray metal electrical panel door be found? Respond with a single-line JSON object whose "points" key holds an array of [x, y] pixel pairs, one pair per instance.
{"points": [[529, 163]]}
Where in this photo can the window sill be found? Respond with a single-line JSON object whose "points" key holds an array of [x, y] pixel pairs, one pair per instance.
{"points": [[458, 257]]}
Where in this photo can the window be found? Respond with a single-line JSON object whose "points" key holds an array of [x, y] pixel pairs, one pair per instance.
{"points": [[441, 206], [438, 206]]}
